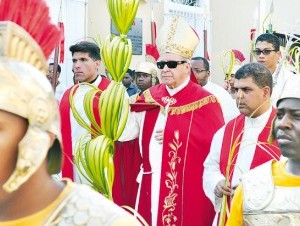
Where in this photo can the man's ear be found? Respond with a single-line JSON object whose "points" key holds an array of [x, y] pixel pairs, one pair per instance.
{"points": [[267, 92], [188, 67], [279, 55], [98, 63]]}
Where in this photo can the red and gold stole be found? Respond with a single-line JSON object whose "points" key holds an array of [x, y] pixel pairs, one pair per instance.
{"points": [[64, 107]]}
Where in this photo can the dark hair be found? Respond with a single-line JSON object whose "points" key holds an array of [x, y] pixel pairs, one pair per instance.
{"points": [[58, 67], [86, 47], [205, 62], [270, 38], [259, 73], [131, 72]]}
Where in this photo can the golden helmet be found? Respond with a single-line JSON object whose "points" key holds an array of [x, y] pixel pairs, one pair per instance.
{"points": [[24, 88]]}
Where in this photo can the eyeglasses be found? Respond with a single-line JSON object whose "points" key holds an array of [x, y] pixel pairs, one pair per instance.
{"points": [[170, 64], [50, 72], [196, 70], [257, 52]]}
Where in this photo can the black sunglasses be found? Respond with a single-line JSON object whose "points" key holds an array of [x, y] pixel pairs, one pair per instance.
{"points": [[170, 64], [257, 52]]}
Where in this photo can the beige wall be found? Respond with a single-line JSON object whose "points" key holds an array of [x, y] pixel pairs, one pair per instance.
{"points": [[98, 23], [231, 24]]}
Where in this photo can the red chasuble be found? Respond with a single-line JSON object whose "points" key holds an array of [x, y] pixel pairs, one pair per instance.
{"points": [[64, 107], [263, 152], [193, 118]]}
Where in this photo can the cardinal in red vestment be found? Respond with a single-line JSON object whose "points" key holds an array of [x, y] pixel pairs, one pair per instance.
{"points": [[187, 116]]}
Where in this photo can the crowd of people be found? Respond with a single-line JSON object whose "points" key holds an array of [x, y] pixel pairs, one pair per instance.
{"points": [[188, 143]]}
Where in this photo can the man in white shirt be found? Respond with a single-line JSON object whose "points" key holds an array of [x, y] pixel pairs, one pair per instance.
{"points": [[86, 62], [267, 52], [60, 88], [242, 143], [201, 69]]}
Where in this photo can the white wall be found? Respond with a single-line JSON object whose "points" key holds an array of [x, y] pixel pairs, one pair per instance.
{"points": [[231, 24], [73, 16]]}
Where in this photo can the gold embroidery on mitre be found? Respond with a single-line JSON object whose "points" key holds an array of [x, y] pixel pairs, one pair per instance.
{"points": [[172, 30], [177, 36], [170, 46], [177, 49], [168, 217], [192, 106], [17, 44]]}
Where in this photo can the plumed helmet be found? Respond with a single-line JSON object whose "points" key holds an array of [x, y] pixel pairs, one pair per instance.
{"points": [[24, 88]]}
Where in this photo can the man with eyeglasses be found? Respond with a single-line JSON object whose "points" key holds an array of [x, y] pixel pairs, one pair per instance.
{"points": [[201, 69], [171, 190], [60, 88], [267, 52]]}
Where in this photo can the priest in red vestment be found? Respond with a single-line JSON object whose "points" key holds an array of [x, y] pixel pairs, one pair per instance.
{"points": [[170, 178], [86, 62], [246, 136]]}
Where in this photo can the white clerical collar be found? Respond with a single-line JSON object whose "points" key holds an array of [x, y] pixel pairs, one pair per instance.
{"points": [[260, 120], [97, 81], [172, 92], [207, 85]]}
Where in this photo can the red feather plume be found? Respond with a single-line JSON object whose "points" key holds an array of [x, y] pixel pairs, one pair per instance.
{"points": [[32, 16]]}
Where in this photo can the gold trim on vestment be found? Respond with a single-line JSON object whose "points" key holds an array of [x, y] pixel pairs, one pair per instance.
{"points": [[168, 217], [181, 109]]}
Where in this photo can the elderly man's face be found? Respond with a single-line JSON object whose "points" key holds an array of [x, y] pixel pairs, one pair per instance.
{"points": [[287, 128], [174, 77]]}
